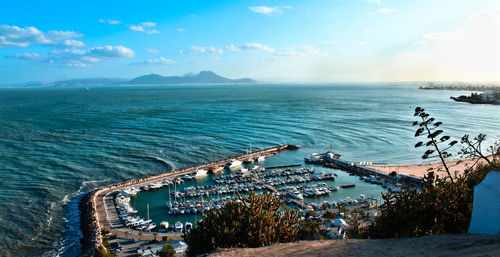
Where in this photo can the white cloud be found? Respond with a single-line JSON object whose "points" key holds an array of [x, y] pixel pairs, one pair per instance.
{"points": [[137, 28], [181, 30], [203, 49], [151, 50], [250, 47], [290, 53], [362, 43], [385, 10], [78, 58], [26, 56], [232, 48], [148, 24], [110, 22], [329, 42], [157, 61], [373, 1], [141, 28], [84, 58], [428, 39], [153, 31], [72, 43], [14, 36], [110, 52], [268, 10], [304, 50], [58, 35]]}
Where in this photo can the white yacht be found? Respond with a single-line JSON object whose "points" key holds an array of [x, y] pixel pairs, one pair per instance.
{"points": [[234, 164], [201, 172], [178, 227], [261, 158], [150, 227], [164, 225]]}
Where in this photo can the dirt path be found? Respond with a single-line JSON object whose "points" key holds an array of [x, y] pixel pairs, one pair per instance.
{"points": [[438, 245]]}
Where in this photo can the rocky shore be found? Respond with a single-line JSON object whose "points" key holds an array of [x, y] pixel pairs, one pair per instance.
{"points": [[88, 223]]}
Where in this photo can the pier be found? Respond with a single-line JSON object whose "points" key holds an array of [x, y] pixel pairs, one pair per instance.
{"points": [[99, 211], [352, 168], [283, 166]]}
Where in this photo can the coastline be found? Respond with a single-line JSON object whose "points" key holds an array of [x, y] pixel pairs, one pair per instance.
{"points": [[88, 223], [94, 215]]}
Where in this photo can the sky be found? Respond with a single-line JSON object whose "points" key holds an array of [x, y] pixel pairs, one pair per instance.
{"points": [[289, 41]]}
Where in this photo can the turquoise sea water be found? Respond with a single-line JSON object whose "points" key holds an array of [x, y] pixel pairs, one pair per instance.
{"points": [[58, 143]]}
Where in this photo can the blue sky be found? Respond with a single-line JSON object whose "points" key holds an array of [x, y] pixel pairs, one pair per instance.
{"points": [[295, 41]]}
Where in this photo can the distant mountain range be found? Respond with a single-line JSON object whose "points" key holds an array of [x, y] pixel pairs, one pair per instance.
{"points": [[204, 77]]}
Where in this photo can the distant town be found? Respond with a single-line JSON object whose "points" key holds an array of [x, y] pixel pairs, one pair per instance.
{"points": [[485, 94]]}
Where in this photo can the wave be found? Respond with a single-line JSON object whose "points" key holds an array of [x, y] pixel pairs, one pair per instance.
{"points": [[160, 160], [69, 242]]}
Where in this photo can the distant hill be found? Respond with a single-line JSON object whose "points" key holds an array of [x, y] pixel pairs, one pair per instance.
{"points": [[88, 82], [204, 77]]}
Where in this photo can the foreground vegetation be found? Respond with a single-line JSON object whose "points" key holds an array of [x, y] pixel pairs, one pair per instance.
{"points": [[253, 221], [443, 205]]}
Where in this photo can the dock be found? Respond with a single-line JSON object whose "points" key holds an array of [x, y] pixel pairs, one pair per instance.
{"points": [[98, 211], [282, 166], [352, 168], [273, 189]]}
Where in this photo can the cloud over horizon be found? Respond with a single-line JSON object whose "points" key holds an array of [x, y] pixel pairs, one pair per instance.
{"points": [[202, 49], [110, 22], [250, 47], [14, 36], [268, 10], [156, 61]]}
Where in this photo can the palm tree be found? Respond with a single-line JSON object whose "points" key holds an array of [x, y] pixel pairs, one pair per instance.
{"points": [[156, 235], [127, 233], [140, 235]]}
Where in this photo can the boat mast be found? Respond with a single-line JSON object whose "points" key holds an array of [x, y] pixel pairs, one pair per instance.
{"points": [[169, 200], [147, 205]]}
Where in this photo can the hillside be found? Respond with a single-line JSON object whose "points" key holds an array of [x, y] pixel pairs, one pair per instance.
{"points": [[437, 245]]}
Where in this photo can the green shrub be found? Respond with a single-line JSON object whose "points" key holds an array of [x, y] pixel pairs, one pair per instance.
{"points": [[257, 220], [167, 251]]}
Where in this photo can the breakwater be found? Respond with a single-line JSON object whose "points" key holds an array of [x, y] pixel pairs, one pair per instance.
{"points": [[94, 216]]}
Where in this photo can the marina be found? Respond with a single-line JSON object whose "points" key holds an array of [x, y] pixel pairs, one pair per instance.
{"points": [[302, 186], [101, 211], [171, 203]]}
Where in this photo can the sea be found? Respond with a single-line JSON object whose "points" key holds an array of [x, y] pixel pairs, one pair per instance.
{"points": [[58, 143]]}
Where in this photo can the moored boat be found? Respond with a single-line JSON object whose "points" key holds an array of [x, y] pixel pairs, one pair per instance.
{"points": [[178, 227], [188, 226], [200, 173]]}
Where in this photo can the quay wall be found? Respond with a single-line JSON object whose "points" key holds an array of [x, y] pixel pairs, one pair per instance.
{"points": [[92, 209]]}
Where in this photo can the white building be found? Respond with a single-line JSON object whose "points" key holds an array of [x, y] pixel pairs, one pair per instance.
{"points": [[486, 209]]}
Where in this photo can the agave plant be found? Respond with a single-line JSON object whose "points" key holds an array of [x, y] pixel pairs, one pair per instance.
{"points": [[429, 127]]}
